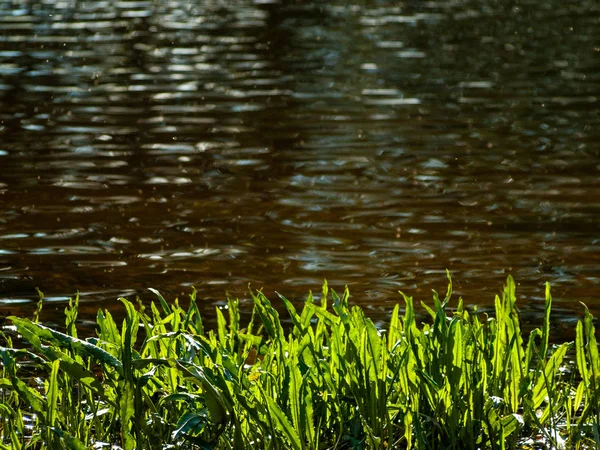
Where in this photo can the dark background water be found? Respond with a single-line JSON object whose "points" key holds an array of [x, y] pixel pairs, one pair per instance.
{"points": [[219, 143]]}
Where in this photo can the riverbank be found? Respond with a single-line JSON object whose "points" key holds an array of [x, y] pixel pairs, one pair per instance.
{"points": [[463, 380]]}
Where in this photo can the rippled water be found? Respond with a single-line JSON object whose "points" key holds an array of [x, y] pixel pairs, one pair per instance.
{"points": [[217, 143]]}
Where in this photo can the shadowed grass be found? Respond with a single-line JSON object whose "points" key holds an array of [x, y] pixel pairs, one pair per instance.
{"points": [[332, 380]]}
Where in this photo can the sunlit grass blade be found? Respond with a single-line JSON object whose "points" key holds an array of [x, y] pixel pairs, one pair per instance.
{"points": [[52, 394], [81, 347], [451, 379], [283, 425], [163, 303], [69, 442]]}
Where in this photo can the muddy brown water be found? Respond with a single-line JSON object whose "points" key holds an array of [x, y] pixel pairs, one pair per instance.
{"points": [[218, 144]]}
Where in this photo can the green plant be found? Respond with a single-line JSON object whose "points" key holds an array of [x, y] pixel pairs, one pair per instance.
{"points": [[462, 380]]}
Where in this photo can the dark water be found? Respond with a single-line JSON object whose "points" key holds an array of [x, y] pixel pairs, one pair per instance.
{"points": [[375, 144]]}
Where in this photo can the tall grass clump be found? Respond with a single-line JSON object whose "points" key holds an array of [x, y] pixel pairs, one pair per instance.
{"points": [[332, 379]]}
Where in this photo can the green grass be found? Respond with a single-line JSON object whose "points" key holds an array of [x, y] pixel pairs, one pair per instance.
{"points": [[462, 380]]}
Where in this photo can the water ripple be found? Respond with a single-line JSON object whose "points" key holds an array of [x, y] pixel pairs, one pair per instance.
{"points": [[169, 143]]}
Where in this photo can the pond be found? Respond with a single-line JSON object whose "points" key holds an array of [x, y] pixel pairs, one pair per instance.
{"points": [[218, 144]]}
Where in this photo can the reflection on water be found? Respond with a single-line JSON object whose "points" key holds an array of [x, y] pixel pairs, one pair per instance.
{"points": [[177, 143]]}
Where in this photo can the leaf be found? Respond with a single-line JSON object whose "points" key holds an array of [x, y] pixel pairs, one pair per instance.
{"points": [[456, 345], [308, 423], [295, 390], [189, 422], [52, 394], [340, 308], [324, 293], [268, 315], [31, 397], [579, 395], [283, 424], [296, 320], [83, 348], [216, 402], [510, 424], [126, 413], [161, 299], [545, 381], [108, 329], [218, 413], [15, 352], [580, 345], [546, 323], [233, 305], [71, 442], [221, 327]]}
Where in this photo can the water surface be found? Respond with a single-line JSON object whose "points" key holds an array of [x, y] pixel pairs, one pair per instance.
{"points": [[214, 144]]}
